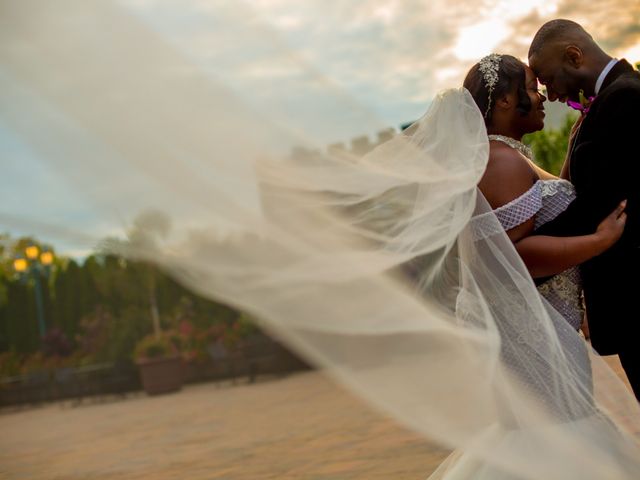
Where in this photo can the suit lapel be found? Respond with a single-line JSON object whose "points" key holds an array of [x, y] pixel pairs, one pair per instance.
{"points": [[618, 69], [572, 162]]}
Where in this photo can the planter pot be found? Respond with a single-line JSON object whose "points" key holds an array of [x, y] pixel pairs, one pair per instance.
{"points": [[161, 375]]}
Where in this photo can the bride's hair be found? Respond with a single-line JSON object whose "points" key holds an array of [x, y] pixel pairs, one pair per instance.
{"points": [[511, 74]]}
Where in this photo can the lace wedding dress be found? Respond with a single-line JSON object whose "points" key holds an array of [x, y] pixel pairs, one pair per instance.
{"points": [[545, 200], [563, 294]]}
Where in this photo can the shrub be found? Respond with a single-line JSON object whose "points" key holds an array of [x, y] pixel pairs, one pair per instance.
{"points": [[165, 345], [56, 344]]}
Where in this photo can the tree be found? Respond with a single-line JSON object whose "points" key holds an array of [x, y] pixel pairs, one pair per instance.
{"points": [[19, 323], [149, 228], [70, 302], [550, 145]]}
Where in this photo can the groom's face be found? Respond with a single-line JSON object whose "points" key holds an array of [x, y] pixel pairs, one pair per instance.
{"points": [[549, 66]]}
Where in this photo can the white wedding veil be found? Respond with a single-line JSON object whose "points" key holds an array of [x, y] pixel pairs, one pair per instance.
{"points": [[388, 269]]}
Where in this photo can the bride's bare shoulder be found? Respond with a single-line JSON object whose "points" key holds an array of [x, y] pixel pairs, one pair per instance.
{"points": [[508, 175]]}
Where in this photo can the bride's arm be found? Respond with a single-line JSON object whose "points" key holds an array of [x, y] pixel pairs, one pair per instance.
{"points": [[507, 177], [545, 256]]}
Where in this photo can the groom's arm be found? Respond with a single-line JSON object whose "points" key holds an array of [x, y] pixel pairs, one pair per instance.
{"points": [[612, 165], [597, 196]]}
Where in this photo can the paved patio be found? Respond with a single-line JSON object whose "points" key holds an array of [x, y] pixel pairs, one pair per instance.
{"points": [[299, 427]]}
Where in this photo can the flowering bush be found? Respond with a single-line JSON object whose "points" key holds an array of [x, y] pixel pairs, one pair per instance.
{"points": [[194, 332], [190, 336], [56, 344], [231, 335], [165, 345], [94, 332]]}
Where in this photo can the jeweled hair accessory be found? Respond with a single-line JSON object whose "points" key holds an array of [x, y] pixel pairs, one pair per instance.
{"points": [[489, 67]]}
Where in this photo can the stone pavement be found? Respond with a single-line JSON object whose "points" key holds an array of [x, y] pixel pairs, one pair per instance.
{"points": [[301, 427]]}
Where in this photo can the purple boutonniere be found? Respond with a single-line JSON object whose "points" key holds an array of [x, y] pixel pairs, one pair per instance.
{"points": [[583, 104]]}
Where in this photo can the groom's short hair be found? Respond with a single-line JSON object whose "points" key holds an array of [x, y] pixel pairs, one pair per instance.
{"points": [[554, 31]]}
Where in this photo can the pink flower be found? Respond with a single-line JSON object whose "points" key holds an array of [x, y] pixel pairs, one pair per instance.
{"points": [[584, 103], [185, 328]]}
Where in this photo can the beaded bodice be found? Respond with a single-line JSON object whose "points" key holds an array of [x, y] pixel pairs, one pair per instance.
{"points": [[545, 200]]}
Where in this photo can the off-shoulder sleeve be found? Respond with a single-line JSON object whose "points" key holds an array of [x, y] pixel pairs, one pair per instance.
{"points": [[509, 215]]}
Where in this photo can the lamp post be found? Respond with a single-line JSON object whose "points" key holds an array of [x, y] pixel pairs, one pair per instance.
{"points": [[35, 265]]}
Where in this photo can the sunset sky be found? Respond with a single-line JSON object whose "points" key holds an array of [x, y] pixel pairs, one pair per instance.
{"points": [[383, 59]]}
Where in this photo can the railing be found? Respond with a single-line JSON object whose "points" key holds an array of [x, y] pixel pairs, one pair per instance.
{"points": [[69, 383], [257, 355]]}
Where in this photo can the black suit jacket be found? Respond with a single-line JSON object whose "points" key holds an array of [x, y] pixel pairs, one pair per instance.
{"points": [[605, 169]]}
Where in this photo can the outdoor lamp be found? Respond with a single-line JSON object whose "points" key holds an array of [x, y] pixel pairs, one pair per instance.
{"points": [[20, 265], [46, 258], [32, 252]]}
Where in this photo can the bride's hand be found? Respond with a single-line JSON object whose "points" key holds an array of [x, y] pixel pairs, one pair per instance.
{"points": [[610, 229]]}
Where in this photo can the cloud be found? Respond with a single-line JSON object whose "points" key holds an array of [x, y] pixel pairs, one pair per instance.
{"points": [[335, 69], [612, 23], [386, 56]]}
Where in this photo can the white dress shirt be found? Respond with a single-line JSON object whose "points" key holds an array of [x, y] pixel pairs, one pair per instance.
{"points": [[604, 73]]}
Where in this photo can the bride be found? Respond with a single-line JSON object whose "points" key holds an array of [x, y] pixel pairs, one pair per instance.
{"points": [[523, 197], [390, 271]]}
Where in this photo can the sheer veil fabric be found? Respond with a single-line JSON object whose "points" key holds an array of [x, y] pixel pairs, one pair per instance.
{"points": [[387, 270]]}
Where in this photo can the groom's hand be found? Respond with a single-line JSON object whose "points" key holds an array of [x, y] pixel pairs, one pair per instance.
{"points": [[610, 229]]}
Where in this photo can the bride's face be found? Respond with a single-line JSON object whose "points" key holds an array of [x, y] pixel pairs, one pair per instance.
{"points": [[534, 120]]}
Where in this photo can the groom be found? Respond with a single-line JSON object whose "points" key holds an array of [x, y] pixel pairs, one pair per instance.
{"points": [[604, 166]]}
